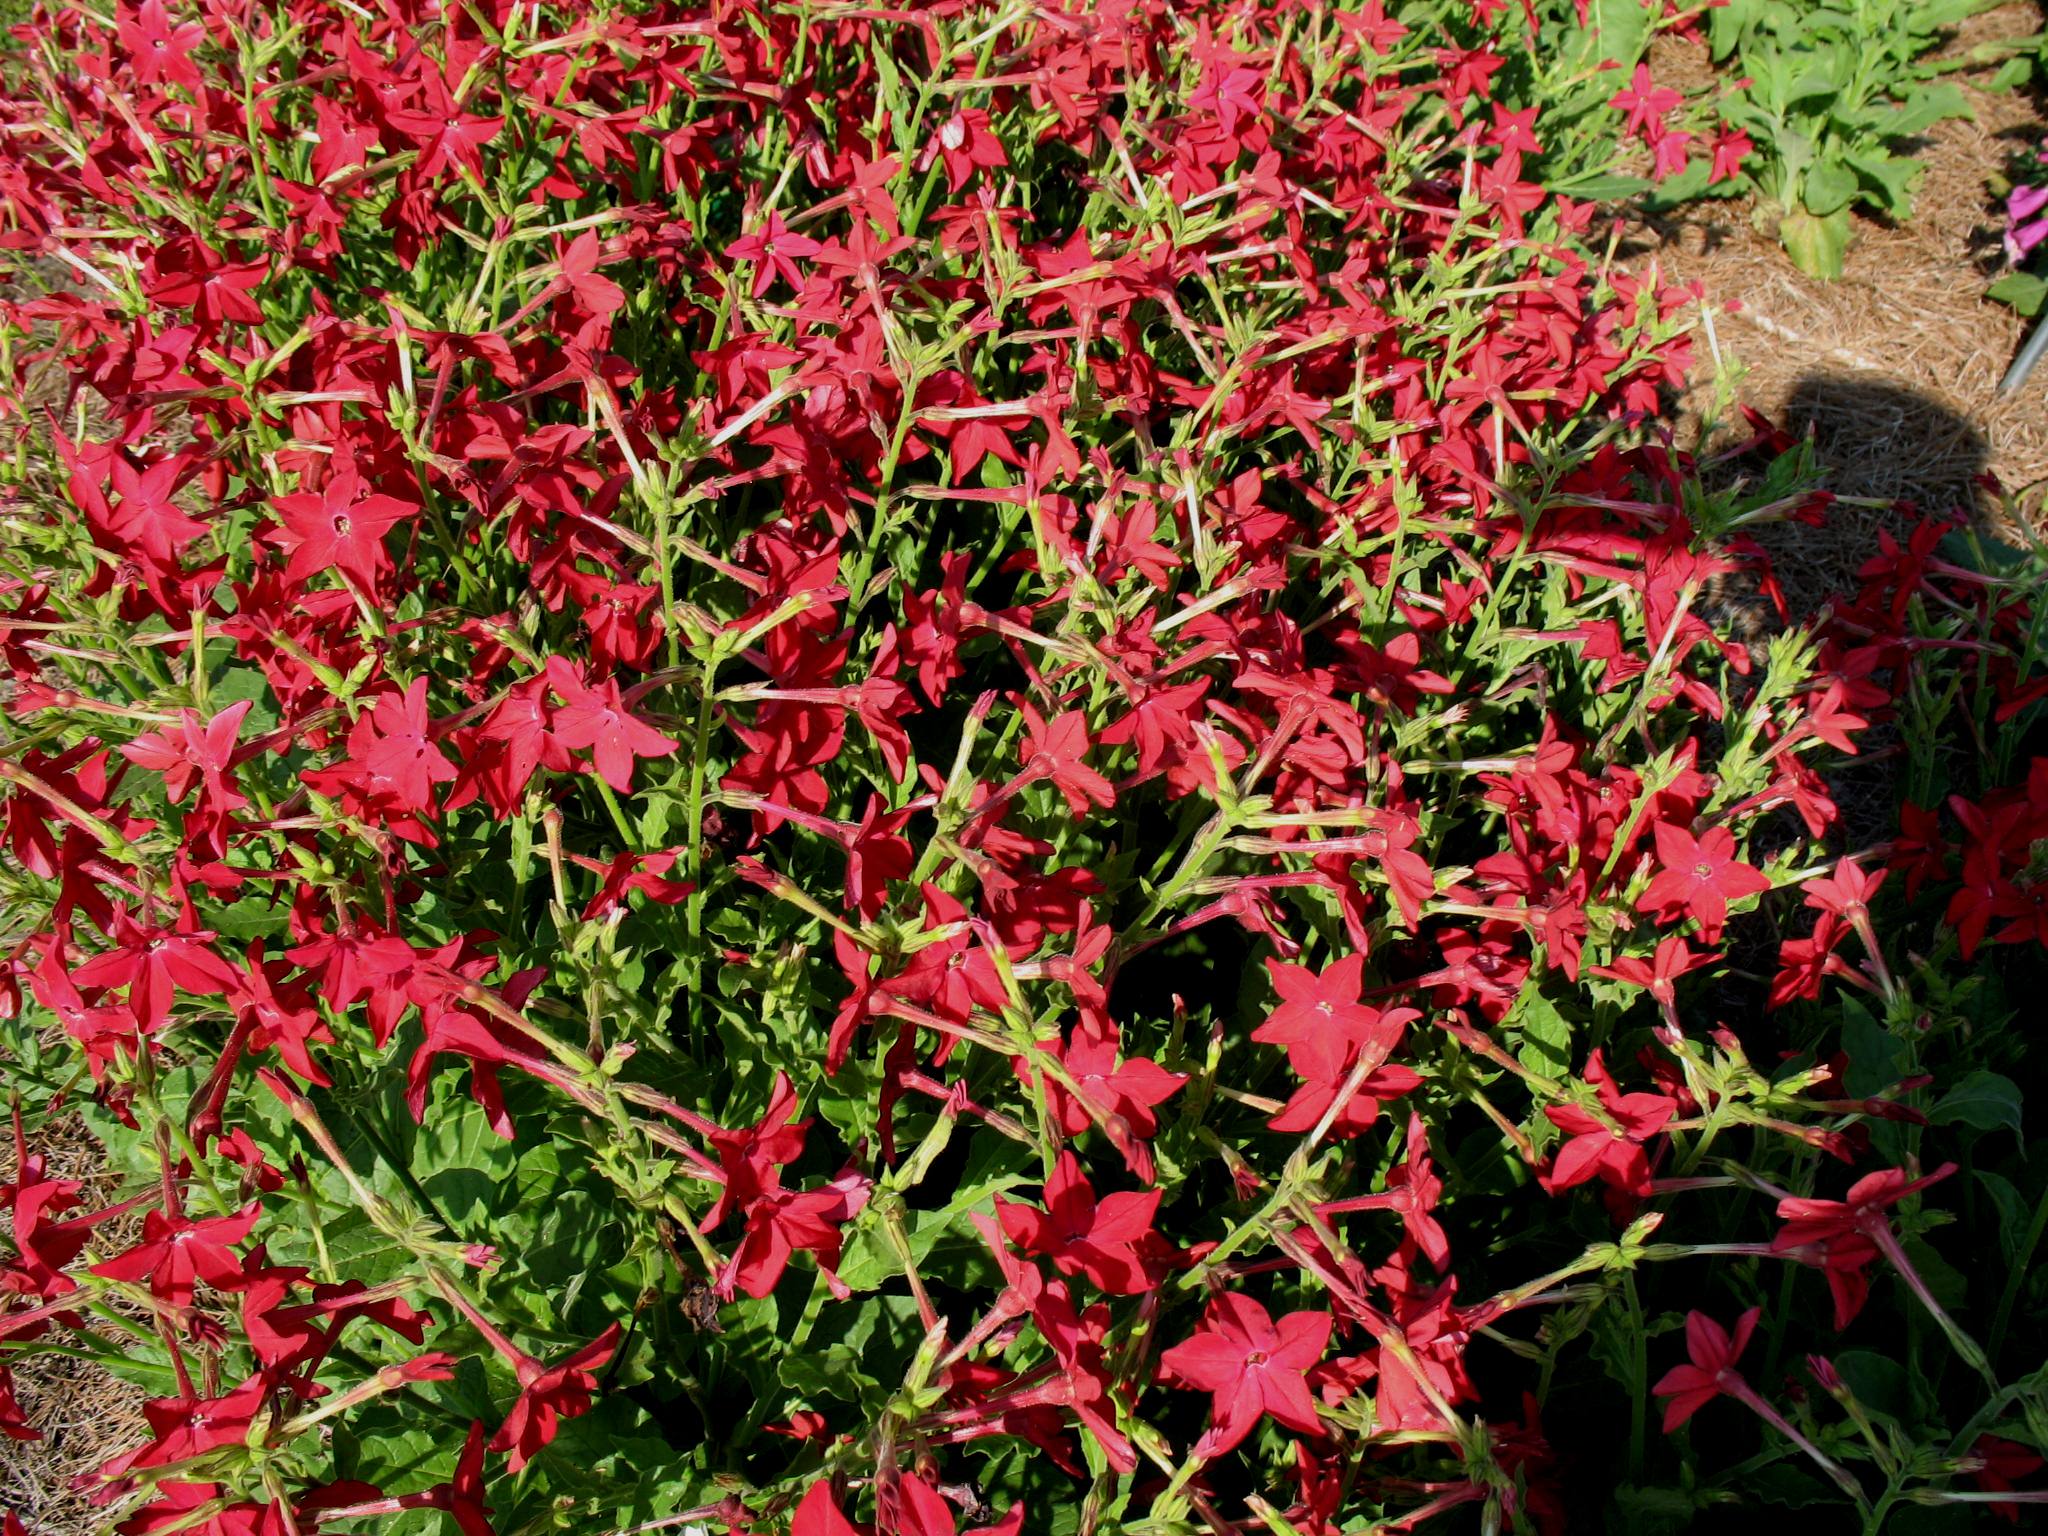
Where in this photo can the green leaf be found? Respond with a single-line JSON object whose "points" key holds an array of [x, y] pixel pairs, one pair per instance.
{"points": [[232, 684], [2012, 1211], [1984, 1100], [1783, 1483], [1603, 187], [1546, 1034], [1830, 187], [1926, 107], [1878, 1381], [834, 1371], [1812, 85], [1876, 1058], [1890, 179], [1650, 1511], [1950, 1286], [1687, 186], [1815, 244], [2014, 72], [2023, 291], [1617, 30]]}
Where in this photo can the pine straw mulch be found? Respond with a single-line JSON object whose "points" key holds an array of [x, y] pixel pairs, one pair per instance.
{"points": [[85, 1412], [1895, 367]]}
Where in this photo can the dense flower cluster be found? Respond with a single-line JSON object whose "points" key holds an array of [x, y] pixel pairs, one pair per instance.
{"points": [[948, 769]]}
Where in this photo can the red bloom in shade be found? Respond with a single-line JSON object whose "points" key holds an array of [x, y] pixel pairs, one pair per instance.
{"points": [[1054, 751], [1861, 1211], [285, 1019], [1711, 1370], [189, 273], [1081, 1235], [1844, 1262], [1084, 1386], [876, 853], [175, 1253], [548, 1393], [1253, 1366], [576, 272], [1433, 1371], [783, 1222], [1610, 1149], [749, 1157], [647, 873], [204, 1509], [1670, 149], [1803, 963], [1999, 1464], [1700, 876], [1842, 1237], [779, 1221], [14, 1423], [147, 517], [1919, 849], [1312, 1100], [44, 1245], [1124, 1093]]}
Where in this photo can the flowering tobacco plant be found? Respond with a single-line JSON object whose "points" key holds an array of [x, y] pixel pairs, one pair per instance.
{"points": [[825, 768]]}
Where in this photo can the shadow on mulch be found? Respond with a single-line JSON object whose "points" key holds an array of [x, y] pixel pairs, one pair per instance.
{"points": [[1894, 453], [1876, 441]]}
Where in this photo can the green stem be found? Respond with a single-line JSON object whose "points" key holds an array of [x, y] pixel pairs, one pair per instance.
{"points": [[2016, 1277], [1638, 1377], [618, 814]]}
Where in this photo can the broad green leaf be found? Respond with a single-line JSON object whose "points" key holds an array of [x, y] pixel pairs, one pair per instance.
{"points": [[2023, 291], [1892, 178], [1876, 1058], [2013, 1211], [1816, 245], [1927, 106], [1829, 187], [1546, 1034], [1878, 1380], [1984, 1100]]}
